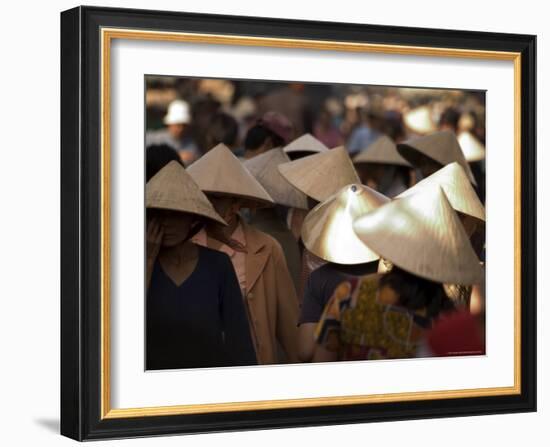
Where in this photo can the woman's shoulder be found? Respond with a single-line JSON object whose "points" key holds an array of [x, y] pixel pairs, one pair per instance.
{"points": [[213, 257]]}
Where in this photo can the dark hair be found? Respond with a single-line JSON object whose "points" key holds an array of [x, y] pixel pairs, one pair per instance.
{"points": [[157, 156], [257, 135], [405, 173], [393, 125], [417, 293], [450, 117], [223, 128]]}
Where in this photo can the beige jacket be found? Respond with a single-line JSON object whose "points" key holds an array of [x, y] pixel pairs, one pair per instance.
{"points": [[270, 297]]}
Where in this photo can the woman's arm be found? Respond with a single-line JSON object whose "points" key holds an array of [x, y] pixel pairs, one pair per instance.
{"points": [[306, 341]]}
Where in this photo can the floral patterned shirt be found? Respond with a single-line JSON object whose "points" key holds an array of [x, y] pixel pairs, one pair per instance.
{"points": [[359, 327]]}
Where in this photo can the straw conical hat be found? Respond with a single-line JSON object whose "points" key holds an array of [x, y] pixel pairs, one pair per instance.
{"points": [[383, 151], [420, 120], [456, 186], [472, 148], [327, 230], [264, 168], [442, 147], [305, 143], [220, 172], [321, 175], [423, 235], [173, 189]]}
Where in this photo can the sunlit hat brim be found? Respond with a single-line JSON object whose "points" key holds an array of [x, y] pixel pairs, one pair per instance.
{"points": [[327, 231]]}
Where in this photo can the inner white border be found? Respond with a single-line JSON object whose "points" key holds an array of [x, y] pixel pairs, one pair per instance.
{"points": [[132, 387]]}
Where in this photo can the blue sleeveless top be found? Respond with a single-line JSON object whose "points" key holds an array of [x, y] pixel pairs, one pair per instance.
{"points": [[202, 322]]}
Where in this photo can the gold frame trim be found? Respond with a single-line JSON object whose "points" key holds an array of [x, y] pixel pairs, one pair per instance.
{"points": [[107, 35]]}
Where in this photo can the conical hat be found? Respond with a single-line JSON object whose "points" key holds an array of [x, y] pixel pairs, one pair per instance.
{"points": [[442, 147], [264, 168], [327, 230], [423, 235], [321, 175], [383, 151], [471, 147], [305, 143], [173, 189], [420, 120], [458, 189], [220, 172]]}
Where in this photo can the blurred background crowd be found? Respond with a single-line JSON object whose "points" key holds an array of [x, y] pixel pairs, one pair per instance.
{"points": [[206, 112]]}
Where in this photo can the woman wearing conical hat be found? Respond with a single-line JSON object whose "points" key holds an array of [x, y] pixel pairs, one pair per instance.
{"points": [[328, 234], [425, 241], [195, 316], [463, 198], [382, 168], [266, 284], [317, 176], [460, 332]]}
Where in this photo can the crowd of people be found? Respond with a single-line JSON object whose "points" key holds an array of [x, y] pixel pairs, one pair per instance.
{"points": [[280, 231]]}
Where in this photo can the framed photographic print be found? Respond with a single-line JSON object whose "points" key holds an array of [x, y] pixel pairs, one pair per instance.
{"points": [[275, 223]]}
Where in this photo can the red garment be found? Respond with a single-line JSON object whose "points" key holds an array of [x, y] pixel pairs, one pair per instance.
{"points": [[456, 333]]}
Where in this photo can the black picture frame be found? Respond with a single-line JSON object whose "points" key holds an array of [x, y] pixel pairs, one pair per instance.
{"points": [[81, 223]]}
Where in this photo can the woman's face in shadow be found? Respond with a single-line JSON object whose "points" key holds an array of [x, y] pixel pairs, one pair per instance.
{"points": [[371, 174], [429, 167], [227, 207], [175, 225]]}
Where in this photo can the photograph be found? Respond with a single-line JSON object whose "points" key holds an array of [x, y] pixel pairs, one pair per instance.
{"points": [[293, 222], [272, 223]]}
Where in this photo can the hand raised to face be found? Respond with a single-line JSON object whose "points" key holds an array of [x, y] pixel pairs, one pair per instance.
{"points": [[154, 236]]}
